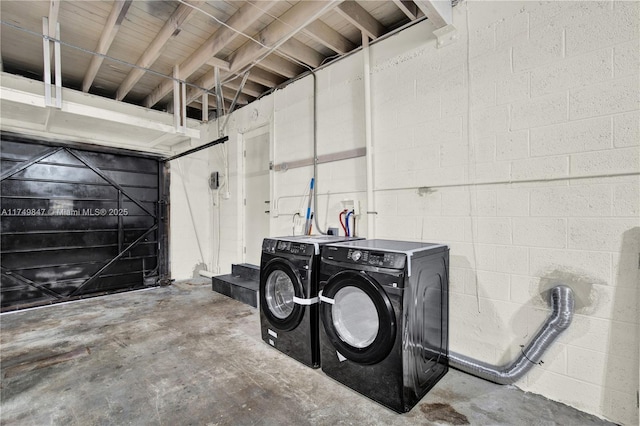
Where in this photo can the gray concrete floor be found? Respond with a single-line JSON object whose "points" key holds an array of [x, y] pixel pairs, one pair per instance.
{"points": [[184, 355]]}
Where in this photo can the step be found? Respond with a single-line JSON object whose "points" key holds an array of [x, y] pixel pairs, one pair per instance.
{"points": [[238, 288], [246, 270]]}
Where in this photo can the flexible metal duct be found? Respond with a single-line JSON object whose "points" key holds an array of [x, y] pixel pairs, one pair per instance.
{"points": [[561, 315]]}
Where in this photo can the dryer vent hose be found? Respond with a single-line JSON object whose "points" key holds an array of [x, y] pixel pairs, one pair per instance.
{"points": [[562, 303]]}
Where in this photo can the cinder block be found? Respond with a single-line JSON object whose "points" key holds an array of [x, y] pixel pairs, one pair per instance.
{"points": [[621, 406], [483, 94], [576, 136], [604, 234], [456, 202], [625, 269], [626, 59], [582, 70], [544, 111], [594, 266], [427, 201], [591, 200], [544, 46], [540, 232], [513, 27], [583, 363], [493, 285], [386, 203], [439, 176], [482, 41], [614, 96], [384, 163], [513, 88], [626, 199], [565, 13], [493, 230], [622, 160], [512, 259], [442, 229], [540, 168], [485, 256], [626, 129], [454, 154], [485, 203], [420, 157], [489, 120], [490, 172], [491, 67], [605, 29], [513, 202], [521, 289], [392, 228], [484, 149], [512, 145]]}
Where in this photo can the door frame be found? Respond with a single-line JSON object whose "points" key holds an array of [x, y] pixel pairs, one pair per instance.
{"points": [[261, 129]]}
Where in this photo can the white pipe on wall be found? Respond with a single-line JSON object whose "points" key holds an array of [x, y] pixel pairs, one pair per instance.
{"points": [[371, 210]]}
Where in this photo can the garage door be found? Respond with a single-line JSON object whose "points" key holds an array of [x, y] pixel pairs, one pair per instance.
{"points": [[77, 222]]}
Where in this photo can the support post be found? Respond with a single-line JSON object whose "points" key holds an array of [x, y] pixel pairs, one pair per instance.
{"points": [[205, 107], [46, 49]]}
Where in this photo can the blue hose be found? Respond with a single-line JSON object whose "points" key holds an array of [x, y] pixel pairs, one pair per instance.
{"points": [[347, 220]]}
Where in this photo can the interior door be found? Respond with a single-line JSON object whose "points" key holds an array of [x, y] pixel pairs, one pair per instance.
{"points": [[77, 222], [256, 193], [358, 317]]}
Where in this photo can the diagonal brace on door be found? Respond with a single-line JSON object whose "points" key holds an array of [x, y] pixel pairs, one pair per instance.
{"points": [[20, 167], [108, 179], [114, 260], [27, 281]]}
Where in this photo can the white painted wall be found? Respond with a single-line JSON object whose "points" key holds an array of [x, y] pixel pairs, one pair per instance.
{"points": [[528, 170]]}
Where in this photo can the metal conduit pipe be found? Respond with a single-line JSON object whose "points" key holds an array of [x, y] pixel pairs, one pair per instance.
{"points": [[562, 302], [315, 152]]}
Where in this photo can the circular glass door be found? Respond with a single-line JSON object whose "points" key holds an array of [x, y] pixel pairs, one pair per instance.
{"points": [[361, 322], [279, 293], [355, 317], [279, 284]]}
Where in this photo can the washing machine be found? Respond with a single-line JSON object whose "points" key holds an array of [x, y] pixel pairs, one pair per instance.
{"points": [[289, 294], [384, 313]]}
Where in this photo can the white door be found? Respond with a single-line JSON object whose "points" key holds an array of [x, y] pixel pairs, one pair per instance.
{"points": [[256, 192]]}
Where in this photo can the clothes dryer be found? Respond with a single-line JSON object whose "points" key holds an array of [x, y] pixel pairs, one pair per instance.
{"points": [[384, 318]]}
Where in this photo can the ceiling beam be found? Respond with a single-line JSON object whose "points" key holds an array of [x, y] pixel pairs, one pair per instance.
{"points": [[281, 66], [303, 53], [54, 10], [240, 21], [118, 12], [439, 12], [217, 62], [250, 88], [329, 37], [170, 29], [280, 30], [408, 7], [361, 19], [264, 78], [208, 80]]}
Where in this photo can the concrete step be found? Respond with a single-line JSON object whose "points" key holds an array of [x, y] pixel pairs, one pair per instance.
{"points": [[238, 288], [246, 270]]}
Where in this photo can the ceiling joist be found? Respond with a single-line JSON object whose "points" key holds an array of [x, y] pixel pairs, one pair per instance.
{"points": [[281, 66], [301, 52], [239, 21], [439, 12], [408, 7], [170, 29], [329, 37], [361, 19], [118, 12]]}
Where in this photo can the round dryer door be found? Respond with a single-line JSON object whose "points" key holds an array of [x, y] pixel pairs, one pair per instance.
{"points": [[358, 317], [279, 284]]}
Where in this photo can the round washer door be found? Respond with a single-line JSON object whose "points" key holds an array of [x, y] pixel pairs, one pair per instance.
{"points": [[279, 283], [360, 323]]}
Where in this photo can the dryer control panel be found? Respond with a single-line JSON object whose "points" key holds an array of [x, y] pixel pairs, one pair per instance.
{"points": [[380, 259]]}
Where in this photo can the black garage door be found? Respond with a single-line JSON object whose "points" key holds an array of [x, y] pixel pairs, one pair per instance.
{"points": [[78, 222]]}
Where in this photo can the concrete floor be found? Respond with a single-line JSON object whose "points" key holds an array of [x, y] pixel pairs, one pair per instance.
{"points": [[183, 355]]}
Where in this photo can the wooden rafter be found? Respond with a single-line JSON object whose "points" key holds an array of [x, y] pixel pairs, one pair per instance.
{"points": [[361, 19], [280, 30], [408, 7], [239, 21], [118, 12], [170, 29], [265, 78], [281, 66], [329, 37], [303, 53], [250, 88]]}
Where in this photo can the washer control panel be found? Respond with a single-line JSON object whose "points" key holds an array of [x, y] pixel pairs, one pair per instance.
{"points": [[381, 259], [278, 246]]}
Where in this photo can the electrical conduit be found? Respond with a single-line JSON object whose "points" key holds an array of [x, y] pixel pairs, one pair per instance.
{"points": [[371, 210], [562, 305]]}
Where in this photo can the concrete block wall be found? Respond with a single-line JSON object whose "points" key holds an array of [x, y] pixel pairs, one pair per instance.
{"points": [[517, 145]]}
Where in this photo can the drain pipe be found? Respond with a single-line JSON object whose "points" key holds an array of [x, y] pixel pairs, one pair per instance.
{"points": [[315, 153], [559, 320], [371, 210]]}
